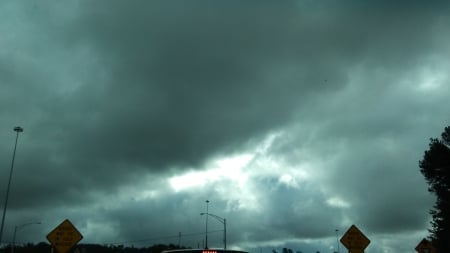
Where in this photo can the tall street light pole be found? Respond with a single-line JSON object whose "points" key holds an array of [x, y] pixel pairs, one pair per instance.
{"points": [[206, 234], [224, 222], [337, 240], [15, 232], [18, 130]]}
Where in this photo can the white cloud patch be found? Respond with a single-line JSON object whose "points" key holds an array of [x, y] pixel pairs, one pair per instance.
{"points": [[338, 202], [229, 168]]}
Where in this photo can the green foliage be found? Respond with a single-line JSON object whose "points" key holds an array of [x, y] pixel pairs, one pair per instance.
{"points": [[435, 167]]}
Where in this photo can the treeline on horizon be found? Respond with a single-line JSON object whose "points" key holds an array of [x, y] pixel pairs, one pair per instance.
{"points": [[44, 247]]}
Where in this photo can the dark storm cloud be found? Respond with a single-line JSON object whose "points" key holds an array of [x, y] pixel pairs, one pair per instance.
{"points": [[110, 91], [187, 80], [195, 83], [179, 84]]}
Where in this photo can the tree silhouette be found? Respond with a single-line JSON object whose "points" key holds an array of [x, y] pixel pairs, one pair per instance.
{"points": [[45, 247], [435, 167]]}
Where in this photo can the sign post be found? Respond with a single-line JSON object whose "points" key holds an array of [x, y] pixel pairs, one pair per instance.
{"points": [[354, 240], [64, 237]]}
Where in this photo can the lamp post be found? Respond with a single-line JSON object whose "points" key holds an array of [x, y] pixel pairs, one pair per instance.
{"points": [[337, 240], [15, 232], [18, 130], [206, 234], [224, 222]]}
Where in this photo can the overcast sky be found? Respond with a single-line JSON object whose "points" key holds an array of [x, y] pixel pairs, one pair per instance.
{"points": [[294, 118]]}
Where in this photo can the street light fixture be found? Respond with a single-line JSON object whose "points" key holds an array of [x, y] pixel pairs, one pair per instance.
{"points": [[18, 130], [224, 222], [15, 232]]}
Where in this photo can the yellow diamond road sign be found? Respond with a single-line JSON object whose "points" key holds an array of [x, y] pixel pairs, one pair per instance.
{"points": [[354, 240], [64, 237]]}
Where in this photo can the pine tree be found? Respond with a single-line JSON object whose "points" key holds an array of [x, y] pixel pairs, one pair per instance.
{"points": [[435, 167]]}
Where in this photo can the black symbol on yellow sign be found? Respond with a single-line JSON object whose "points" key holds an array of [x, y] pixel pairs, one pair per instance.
{"points": [[64, 237]]}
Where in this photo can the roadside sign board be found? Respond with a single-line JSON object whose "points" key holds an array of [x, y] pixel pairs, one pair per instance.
{"points": [[64, 237], [425, 246], [354, 240]]}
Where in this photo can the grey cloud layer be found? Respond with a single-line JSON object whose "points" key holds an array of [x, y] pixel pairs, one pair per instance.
{"points": [[106, 92], [183, 82]]}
